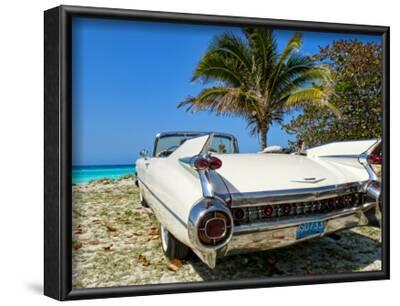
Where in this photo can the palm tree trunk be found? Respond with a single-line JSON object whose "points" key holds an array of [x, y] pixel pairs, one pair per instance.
{"points": [[263, 132]]}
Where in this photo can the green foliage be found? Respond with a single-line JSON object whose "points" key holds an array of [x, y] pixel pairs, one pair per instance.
{"points": [[357, 75], [250, 79]]}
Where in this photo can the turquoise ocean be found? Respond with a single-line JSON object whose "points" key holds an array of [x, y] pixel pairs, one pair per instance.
{"points": [[85, 174]]}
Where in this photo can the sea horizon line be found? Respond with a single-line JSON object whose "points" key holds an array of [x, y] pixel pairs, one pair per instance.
{"points": [[104, 165]]}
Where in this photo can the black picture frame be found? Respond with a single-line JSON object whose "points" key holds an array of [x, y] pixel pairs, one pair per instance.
{"points": [[57, 148]]}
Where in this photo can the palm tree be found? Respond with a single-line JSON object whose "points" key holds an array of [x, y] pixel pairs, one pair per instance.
{"points": [[249, 78]]}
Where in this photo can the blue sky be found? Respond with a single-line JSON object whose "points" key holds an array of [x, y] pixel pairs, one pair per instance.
{"points": [[128, 77]]}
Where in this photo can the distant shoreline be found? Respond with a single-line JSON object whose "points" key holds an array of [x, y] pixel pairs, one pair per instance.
{"points": [[106, 180], [86, 174], [103, 166]]}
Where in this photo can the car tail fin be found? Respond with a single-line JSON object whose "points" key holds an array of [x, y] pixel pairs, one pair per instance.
{"points": [[365, 152], [192, 147], [343, 148]]}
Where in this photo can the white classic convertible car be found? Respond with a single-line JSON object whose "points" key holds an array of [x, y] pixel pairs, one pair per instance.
{"points": [[216, 202]]}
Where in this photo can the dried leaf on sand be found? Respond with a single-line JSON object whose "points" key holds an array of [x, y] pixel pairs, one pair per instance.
{"points": [[108, 247], [78, 229], [110, 227], [143, 260], [154, 231], [93, 242], [77, 245], [175, 264]]}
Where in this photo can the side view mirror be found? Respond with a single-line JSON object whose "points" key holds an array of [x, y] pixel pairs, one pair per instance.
{"points": [[144, 153]]}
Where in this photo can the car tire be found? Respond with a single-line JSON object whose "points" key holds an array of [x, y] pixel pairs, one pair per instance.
{"points": [[142, 200], [144, 204], [171, 246]]}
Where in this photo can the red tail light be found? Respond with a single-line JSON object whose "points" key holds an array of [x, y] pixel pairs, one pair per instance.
{"points": [[286, 209], [215, 163], [375, 159], [213, 228], [238, 213], [203, 163], [268, 210]]}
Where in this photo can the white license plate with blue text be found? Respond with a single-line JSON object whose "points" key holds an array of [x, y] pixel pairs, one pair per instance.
{"points": [[309, 229]]}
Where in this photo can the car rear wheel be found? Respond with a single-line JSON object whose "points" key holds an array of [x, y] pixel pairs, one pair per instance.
{"points": [[171, 246], [142, 200]]}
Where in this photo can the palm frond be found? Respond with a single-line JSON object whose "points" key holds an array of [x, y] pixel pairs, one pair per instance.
{"points": [[263, 47], [213, 68], [303, 95], [221, 101], [227, 60], [230, 45], [315, 76], [311, 95], [293, 44]]}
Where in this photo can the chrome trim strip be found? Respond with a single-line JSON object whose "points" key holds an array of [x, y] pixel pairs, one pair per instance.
{"points": [[255, 227], [164, 205], [206, 185], [207, 144], [293, 195], [187, 161], [354, 156], [309, 181], [193, 133]]}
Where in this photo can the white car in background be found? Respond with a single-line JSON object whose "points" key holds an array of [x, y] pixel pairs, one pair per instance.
{"points": [[212, 199]]}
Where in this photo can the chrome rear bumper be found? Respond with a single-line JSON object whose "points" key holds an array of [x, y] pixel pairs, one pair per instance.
{"points": [[268, 235], [259, 237]]}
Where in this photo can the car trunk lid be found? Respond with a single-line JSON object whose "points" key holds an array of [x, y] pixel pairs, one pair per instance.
{"points": [[244, 173]]}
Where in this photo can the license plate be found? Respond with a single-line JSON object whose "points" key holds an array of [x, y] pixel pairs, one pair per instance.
{"points": [[309, 229]]}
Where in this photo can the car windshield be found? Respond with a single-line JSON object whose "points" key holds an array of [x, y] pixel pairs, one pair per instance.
{"points": [[167, 144]]}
